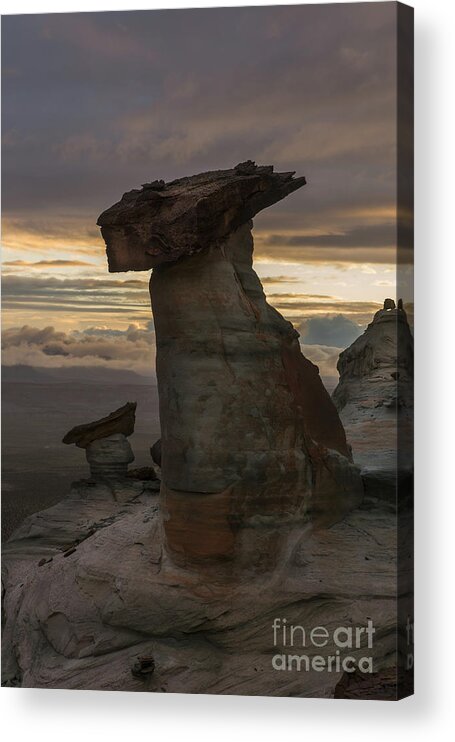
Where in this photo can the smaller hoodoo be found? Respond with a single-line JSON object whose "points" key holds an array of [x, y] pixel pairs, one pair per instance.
{"points": [[106, 442], [374, 398]]}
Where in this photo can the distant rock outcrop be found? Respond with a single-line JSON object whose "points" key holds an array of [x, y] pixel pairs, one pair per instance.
{"points": [[105, 441], [374, 398], [251, 442]]}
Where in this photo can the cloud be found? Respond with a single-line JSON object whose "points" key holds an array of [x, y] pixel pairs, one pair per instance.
{"points": [[301, 307], [52, 294], [130, 349], [338, 331], [35, 298], [386, 283], [338, 257], [74, 302], [278, 279], [14, 285], [46, 263], [324, 357], [376, 235], [81, 147], [133, 348], [339, 242], [293, 297], [100, 103], [67, 235]]}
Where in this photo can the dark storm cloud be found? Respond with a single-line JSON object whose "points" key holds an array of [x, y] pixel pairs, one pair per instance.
{"points": [[338, 331], [367, 243], [95, 104], [370, 236]]}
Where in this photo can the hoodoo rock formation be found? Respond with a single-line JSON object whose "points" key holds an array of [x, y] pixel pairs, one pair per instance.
{"points": [[250, 439], [375, 400], [120, 421], [105, 441]]}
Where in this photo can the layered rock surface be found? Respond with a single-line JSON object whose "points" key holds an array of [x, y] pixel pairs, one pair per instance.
{"points": [[374, 398]]}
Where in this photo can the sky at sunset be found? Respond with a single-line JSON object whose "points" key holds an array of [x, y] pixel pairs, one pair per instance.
{"points": [[97, 104]]}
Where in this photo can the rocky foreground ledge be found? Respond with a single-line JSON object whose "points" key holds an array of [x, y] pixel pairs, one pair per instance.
{"points": [[92, 600]]}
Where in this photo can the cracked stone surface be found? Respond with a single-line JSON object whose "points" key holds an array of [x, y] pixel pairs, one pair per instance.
{"points": [[162, 222]]}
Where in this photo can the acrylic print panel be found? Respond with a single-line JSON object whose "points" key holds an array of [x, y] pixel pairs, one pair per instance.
{"points": [[207, 481]]}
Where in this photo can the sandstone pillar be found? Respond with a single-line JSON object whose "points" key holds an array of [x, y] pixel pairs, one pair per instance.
{"points": [[251, 442]]}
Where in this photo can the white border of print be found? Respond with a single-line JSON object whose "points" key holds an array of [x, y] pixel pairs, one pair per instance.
{"points": [[45, 714]]}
